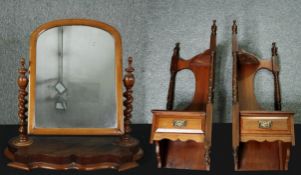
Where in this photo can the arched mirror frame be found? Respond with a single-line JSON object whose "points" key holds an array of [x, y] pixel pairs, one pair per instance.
{"points": [[32, 129]]}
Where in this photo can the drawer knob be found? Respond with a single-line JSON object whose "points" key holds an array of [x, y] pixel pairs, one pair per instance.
{"points": [[179, 123], [265, 124]]}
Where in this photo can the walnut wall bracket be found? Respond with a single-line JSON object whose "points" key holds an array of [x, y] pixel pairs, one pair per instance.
{"points": [[183, 138], [267, 134]]}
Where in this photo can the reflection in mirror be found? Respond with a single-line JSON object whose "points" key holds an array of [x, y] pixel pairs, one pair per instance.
{"points": [[75, 78]]}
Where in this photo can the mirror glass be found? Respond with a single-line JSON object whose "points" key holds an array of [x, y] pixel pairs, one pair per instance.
{"points": [[75, 78]]}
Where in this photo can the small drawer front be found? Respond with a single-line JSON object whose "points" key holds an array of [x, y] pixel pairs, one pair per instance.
{"points": [[265, 125], [181, 123]]}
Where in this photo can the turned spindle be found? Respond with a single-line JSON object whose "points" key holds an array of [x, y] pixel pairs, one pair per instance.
{"points": [[234, 79], [234, 27], [235, 108], [213, 28], [211, 76], [275, 70], [173, 72], [128, 81], [235, 57], [22, 139], [207, 158], [213, 36]]}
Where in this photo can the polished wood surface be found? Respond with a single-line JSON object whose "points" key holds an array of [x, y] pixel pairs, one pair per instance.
{"points": [[32, 129], [191, 158], [164, 126], [265, 156], [221, 157], [22, 139], [192, 121], [280, 122], [80, 153], [267, 134], [183, 138], [129, 81]]}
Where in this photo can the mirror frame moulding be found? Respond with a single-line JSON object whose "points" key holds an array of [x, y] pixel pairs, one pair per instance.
{"points": [[32, 129]]}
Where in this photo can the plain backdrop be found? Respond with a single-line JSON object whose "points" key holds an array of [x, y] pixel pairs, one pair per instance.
{"points": [[149, 30]]}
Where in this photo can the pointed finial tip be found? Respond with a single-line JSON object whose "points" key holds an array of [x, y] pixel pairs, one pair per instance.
{"points": [[129, 69], [130, 60], [214, 27], [22, 61], [274, 49], [177, 44], [234, 27]]}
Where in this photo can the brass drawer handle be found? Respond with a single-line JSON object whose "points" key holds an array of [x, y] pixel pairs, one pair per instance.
{"points": [[179, 123], [265, 124]]}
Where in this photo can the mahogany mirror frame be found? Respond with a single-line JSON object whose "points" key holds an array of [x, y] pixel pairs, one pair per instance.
{"points": [[32, 129]]}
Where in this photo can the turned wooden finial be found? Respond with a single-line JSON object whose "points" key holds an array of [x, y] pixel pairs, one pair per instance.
{"points": [[128, 81], [234, 37], [176, 50], [213, 36], [175, 57], [22, 80], [130, 68], [274, 49], [22, 139], [213, 28], [22, 63], [234, 27]]}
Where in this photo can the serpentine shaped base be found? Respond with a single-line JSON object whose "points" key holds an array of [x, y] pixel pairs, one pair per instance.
{"points": [[80, 153]]}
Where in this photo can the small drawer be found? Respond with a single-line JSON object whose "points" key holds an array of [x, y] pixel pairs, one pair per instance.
{"points": [[179, 122], [265, 124]]}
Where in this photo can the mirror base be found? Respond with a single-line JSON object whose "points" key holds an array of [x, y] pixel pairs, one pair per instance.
{"points": [[79, 153], [18, 142]]}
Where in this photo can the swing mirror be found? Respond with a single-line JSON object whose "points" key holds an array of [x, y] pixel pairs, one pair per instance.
{"points": [[75, 80]]}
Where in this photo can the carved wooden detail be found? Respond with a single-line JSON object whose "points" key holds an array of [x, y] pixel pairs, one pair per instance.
{"points": [[128, 81], [192, 141], [158, 152], [267, 134], [275, 70], [80, 153], [23, 139], [173, 71], [116, 150]]}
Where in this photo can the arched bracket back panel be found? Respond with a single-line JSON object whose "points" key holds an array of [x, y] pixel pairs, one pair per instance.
{"points": [[248, 66], [200, 66]]}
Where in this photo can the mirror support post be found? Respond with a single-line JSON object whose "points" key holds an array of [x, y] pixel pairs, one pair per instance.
{"points": [[128, 81], [22, 139]]}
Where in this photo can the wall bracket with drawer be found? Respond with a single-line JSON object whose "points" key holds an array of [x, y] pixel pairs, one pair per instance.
{"points": [[183, 138], [261, 140]]}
